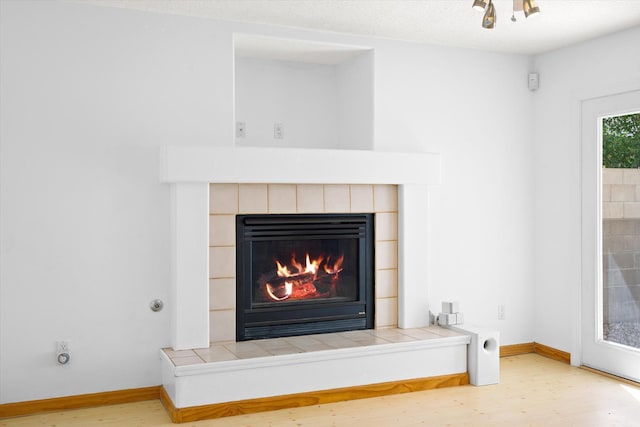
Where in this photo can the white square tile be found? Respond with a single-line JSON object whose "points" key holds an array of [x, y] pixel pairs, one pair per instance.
{"points": [[307, 343], [284, 351], [337, 198], [252, 198], [185, 361], [310, 198], [386, 255], [215, 353], [385, 198], [222, 262], [222, 230], [282, 198], [271, 343], [178, 353], [392, 334], [337, 341], [386, 226], [222, 294], [386, 312], [443, 332], [309, 346], [246, 350], [223, 198], [222, 325], [363, 338], [419, 333], [386, 283], [361, 198]]}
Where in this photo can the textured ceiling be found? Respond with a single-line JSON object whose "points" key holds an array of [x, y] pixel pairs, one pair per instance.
{"points": [[442, 22]]}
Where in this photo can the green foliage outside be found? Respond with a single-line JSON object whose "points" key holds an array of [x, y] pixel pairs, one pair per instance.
{"points": [[621, 141]]}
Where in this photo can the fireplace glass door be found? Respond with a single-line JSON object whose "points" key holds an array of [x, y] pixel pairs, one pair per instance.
{"points": [[303, 274]]}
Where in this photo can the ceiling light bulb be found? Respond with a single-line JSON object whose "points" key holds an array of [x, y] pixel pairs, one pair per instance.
{"points": [[530, 8], [489, 20], [479, 5]]}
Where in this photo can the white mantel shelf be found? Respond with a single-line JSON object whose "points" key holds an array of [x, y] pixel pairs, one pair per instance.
{"points": [[184, 164]]}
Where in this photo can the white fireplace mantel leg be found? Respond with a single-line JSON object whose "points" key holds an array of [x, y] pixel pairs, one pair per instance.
{"points": [[190, 265], [413, 304]]}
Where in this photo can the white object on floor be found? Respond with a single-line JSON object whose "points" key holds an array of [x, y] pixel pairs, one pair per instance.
{"points": [[483, 354]]}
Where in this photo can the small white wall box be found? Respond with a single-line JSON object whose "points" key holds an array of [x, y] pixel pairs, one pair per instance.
{"points": [[450, 307], [534, 81], [483, 354], [447, 319]]}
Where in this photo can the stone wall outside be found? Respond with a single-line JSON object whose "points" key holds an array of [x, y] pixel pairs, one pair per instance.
{"points": [[621, 245]]}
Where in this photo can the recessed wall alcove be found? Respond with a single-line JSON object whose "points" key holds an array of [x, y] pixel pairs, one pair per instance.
{"points": [[320, 94]]}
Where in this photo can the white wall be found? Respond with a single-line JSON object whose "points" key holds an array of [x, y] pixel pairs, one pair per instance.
{"points": [[356, 100], [319, 105], [600, 67], [473, 108], [89, 95], [303, 97]]}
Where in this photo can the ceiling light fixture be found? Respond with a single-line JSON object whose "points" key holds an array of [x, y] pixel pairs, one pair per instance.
{"points": [[489, 20], [479, 5], [529, 7]]}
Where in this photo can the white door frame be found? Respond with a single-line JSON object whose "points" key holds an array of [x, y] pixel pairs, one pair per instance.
{"points": [[594, 351]]}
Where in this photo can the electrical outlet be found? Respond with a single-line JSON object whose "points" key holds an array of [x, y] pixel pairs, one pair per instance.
{"points": [[241, 130], [63, 355], [502, 311], [278, 131]]}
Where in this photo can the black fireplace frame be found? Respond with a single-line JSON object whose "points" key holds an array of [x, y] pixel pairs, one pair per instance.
{"points": [[255, 321]]}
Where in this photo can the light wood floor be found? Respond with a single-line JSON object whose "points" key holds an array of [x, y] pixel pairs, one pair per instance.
{"points": [[533, 391]]}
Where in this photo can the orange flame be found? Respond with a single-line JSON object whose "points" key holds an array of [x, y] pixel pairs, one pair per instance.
{"points": [[311, 266], [302, 283], [336, 267], [283, 270]]}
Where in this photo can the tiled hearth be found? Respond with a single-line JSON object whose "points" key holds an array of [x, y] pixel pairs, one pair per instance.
{"points": [[227, 200], [230, 351], [288, 366]]}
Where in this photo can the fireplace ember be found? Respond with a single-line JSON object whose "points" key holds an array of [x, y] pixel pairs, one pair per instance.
{"points": [[318, 278]]}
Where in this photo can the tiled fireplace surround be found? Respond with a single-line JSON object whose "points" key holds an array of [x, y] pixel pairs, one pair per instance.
{"points": [[210, 185], [227, 200]]}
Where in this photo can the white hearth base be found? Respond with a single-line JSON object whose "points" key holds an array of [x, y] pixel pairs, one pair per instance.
{"points": [[229, 381]]}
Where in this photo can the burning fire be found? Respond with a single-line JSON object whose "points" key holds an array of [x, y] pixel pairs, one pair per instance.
{"points": [[317, 278]]}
